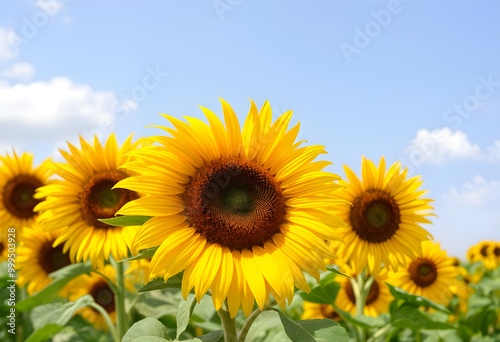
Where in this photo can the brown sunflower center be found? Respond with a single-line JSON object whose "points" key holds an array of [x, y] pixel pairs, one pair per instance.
{"points": [[372, 295], [235, 203], [484, 251], [103, 295], [328, 311], [423, 272], [496, 251], [375, 216], [51, 258], [2, 247], [18, 195], [99, 201]]}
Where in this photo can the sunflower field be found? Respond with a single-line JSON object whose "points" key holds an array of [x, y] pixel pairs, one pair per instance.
{"points": [[225, 231]]}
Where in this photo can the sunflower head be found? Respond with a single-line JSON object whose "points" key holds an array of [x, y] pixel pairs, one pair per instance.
{"points": [[242, 211], [319, 311], [18, 182], [86, 194], [430, 275], [383, 217], [37, 258]]}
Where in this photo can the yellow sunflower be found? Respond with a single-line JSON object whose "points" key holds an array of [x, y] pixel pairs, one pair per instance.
{"points": [[139, 271], [18, 182], [36, 258], [384, 217], [378, 299], [85, 195], [3, 245], [319, 311], [97, 286], [431, 275], [484, 251], [242, 213]]}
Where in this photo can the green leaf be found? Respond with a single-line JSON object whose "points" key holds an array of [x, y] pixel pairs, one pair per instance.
{"points": [[122, 221], [409, 316], [322, 294], [149, 328], [313, 330], [143, 254], [213, 336], [48, 294], [334, 270], [158, 284], [53, 322], [416, 300], [184, 313]]}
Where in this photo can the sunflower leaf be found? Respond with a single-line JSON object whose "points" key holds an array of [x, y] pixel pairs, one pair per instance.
{"points": [[47, 295], [158, 284], [54, 321], [313, 330], [148, 329], [322, 294], [365, 322], [122, 221], [416, 300], [184, 313], [213, 336], [334, 270], [409, 316], [143, 254]]}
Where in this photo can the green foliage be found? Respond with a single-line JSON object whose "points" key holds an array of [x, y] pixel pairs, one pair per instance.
{"points": [[149, 327], [122, 221], [174, 282]]}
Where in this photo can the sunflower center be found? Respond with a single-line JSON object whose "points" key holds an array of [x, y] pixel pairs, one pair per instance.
{"points": [[235, 203], [51, 258], [375, 216], [496, 251], [423, 272], [372, 295], [328, 311], [18, 195], [103, 295], [484, 251], [100, 201], [2, 247]]}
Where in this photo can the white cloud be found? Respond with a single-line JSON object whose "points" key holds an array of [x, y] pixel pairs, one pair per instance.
{"points": [[8, 50], [20, 70], [51, 7], [441, 145], [57, 110], [476, 192], [494, 151]]}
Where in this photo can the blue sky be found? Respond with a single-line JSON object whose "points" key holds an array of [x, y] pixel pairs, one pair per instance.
{"points": [[416, 81]]}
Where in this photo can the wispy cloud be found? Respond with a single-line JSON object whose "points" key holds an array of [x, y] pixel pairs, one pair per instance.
{"points": [[475, 192], [21, 70]]}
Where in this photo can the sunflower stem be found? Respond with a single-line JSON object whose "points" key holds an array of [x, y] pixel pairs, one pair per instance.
{"points": [[228, 325], [121, 316], [107, 319], [253, 316], [361, 288]]}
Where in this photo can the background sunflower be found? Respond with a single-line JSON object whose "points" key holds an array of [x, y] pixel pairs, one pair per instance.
{"points": [[84, 195], [383, 220]]}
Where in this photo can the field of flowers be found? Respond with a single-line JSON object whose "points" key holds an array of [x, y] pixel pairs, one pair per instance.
{"points": [[221, 231]]}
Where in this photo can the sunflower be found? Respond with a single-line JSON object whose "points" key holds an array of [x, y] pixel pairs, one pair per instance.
{"points": [[139, 271], [85, 195], [319, 311], [18, 182], [36, 258], [98, 287], [3, 245], [378, 299], [430, 275], [242, 213], [487, 252], [383, 218]]}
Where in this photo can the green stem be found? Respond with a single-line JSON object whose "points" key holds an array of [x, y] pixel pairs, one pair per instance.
{"points": [[381, 332], [418, 336], [121, 316], [253, 316], [228, 325], [108, 321], [361, 289]]}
